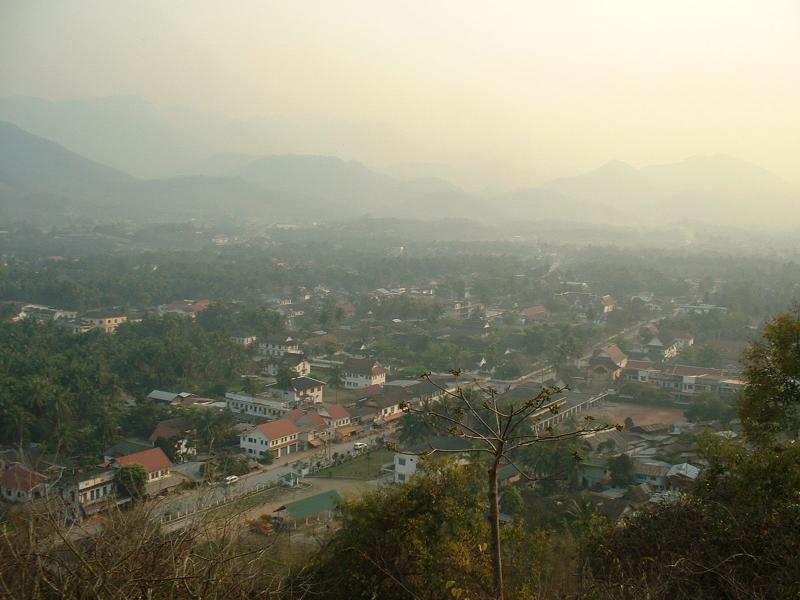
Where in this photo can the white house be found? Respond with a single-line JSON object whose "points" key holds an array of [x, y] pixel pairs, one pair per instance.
{"points": [[297, 363], [279, 437], [359, 373], [243, 339], [405, 466], [278, 346], [303, 389], [90, 492]]}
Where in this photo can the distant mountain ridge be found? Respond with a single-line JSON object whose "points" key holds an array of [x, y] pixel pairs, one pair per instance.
{"points": [[719, 188], [44, 180]]}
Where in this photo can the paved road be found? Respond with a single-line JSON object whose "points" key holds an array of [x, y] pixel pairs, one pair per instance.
{"points": [[190, 500]]}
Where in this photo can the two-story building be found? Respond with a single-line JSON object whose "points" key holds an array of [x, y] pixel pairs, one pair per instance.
{"points": [[388, 404], [89, 492], [301, 390], [106, 319], [339, 419], [259, 407], [405, 466], [244, 339], [297, 363], [280, 437], [359, 373], [278, 346], [684, 381]]}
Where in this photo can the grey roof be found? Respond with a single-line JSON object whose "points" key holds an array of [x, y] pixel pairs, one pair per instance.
{"points": [[126, 447], [162, 396]]}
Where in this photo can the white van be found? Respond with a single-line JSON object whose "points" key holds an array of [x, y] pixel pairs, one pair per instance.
{"points": [[231, 479], [360, 446]]}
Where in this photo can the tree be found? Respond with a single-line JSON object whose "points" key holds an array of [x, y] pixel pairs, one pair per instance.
{"points": [[770, 404], [167, 446], [417, 540], [335, 379], [734, 535], [622, 471], [132, 480], [284, 377], [513, 503], [210, 425], [710, 407], [495, 430], [629, 424]]}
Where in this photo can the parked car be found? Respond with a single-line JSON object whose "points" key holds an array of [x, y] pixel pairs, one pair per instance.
{"points": [[360, 446], [231, 479]]}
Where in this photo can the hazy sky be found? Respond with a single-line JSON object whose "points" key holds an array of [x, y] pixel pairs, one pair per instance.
{"points": [[511, 92]]}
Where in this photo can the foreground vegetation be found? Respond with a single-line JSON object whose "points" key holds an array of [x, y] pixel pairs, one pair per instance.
{"points": [[735, 534]]}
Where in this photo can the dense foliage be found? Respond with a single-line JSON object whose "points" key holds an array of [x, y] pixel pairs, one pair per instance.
{"points": [[67, 391]]}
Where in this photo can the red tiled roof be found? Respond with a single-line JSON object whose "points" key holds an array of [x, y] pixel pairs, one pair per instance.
{"points": [[278, 429], [294, 415], [337, 411], [17, 477], [153, 459]]}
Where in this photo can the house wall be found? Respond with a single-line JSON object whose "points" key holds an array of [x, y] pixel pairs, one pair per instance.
{"points": [[13, 495], [356, 381], [257, 445], [272, 349], [157, 475], [405, 466]]}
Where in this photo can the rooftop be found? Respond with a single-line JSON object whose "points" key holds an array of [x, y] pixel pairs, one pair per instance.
{"points": [[153, 459]]}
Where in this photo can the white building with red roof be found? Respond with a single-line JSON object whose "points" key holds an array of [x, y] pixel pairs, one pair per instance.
{"points": [[281, 437], [155, 463]]}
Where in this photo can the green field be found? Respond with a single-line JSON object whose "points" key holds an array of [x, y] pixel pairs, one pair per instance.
{"points": [[367, 466]]}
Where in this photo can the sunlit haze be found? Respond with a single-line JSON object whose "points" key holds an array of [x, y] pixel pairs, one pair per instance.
{"points": [[503, 94]]}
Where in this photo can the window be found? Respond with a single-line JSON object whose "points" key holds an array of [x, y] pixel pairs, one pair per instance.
{"points": [[401, 462], [401, 477]]}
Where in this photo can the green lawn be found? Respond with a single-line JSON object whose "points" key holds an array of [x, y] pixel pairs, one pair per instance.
{"points": [[367, 466]]}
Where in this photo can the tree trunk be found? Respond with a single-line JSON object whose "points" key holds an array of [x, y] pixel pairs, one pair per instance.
{"points": [[494, 523]]}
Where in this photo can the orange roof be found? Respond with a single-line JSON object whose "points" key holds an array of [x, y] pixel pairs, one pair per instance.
{"points": [[153, 459], [277, 429], [294, 415], [615, 354], [17, 477], [337, 411]]}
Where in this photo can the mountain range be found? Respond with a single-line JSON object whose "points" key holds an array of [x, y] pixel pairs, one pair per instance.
{"points": [[42, 179]]}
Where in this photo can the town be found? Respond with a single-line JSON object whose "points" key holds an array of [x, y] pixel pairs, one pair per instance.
{"points": [[325, 376]]}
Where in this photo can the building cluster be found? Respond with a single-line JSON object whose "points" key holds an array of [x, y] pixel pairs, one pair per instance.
{"points": [[80, 491], [104, 319]]}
